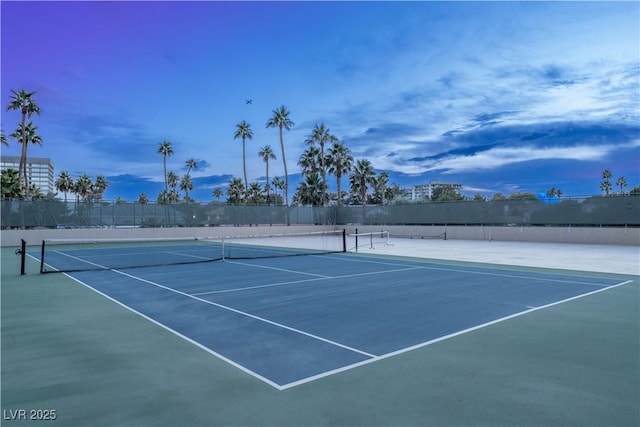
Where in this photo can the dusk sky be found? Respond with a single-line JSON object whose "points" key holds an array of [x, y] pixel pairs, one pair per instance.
{"points": [[499, 97]]}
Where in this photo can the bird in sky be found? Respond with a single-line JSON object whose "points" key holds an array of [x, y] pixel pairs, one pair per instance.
{"points": [[249, 101]]}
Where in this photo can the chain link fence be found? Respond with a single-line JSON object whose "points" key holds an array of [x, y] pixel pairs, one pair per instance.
{"points": [[591, 211]]}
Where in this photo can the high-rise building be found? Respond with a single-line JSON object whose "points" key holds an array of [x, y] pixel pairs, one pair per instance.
{"points": [[39, 171]]}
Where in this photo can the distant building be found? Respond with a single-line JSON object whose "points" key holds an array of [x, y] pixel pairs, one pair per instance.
{"points": [[425, 191], [39, 171]]}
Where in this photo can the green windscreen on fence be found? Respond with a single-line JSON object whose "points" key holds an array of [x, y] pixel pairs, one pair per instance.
{"points": [[594, 211]]}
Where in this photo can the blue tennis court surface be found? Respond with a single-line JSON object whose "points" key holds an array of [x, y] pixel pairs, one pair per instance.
{"points": [[288, 321]]}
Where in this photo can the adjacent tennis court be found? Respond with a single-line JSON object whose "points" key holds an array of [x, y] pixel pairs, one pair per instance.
{"points": [[288, 319]]}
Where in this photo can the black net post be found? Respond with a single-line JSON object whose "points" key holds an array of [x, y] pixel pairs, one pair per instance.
{"points": [[42, 258], [23, 254], [344, 240], [356, 240]]}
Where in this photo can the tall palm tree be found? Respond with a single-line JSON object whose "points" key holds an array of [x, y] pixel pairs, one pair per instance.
{"points": [[243, 130], [64, 183], [321, 135], [166, 150], [281, 120], [191, 164], [266, 153], [362, 174], [339, 161], [24, 102], [3, 139], [172, 193], [28, 135]]}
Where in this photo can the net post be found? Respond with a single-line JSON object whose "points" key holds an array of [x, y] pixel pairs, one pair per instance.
{"points": [[344, 240], [23, 254], [42, 257], [356, 240]]}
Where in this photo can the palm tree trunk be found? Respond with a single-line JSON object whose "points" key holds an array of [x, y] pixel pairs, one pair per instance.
{"points": [[286, 175], [166, 185], [338, 176], [244, 168], [22, 167], [268, 185]]}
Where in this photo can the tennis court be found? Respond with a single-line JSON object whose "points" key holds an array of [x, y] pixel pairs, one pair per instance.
{"points": [[288, 319], [293, 321]]}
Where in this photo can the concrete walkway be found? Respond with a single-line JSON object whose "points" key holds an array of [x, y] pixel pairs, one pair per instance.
{"points": [[593, 258]]}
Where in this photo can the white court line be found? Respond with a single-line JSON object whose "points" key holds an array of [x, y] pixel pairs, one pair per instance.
{"points": [[83, 260], [184, 337], [244, 313], [269, 285], [446, 337], [259, 286], [485, 273], [278, 269]]}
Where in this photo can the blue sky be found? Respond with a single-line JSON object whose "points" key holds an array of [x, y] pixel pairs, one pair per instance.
{"points": [[497, 96]]}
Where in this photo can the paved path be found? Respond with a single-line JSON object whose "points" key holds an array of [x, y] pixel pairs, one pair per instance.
{"points": [[595, 258]]}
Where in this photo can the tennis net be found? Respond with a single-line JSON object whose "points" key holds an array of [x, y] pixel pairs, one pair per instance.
{"points": [[72, 255]]}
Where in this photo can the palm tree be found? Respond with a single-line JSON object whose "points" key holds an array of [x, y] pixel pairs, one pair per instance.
{"points": [[163, 197], [255, 192], [100, 186], [36, 193], [3, 139], [278, 184], [143, 199], [217, 193], [322, 136], [235, 191], [266, 153], [191, 164], [281, 120], [362, 175], [64, 183], [28, 134], [309, 191], [10, 184], [83, 187], [171, 194], [380, 185], [243, 130], [621, 183], [309, 161], [24, 102], [605, 185], [339, 162], [185, 185], [166, 150]]}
